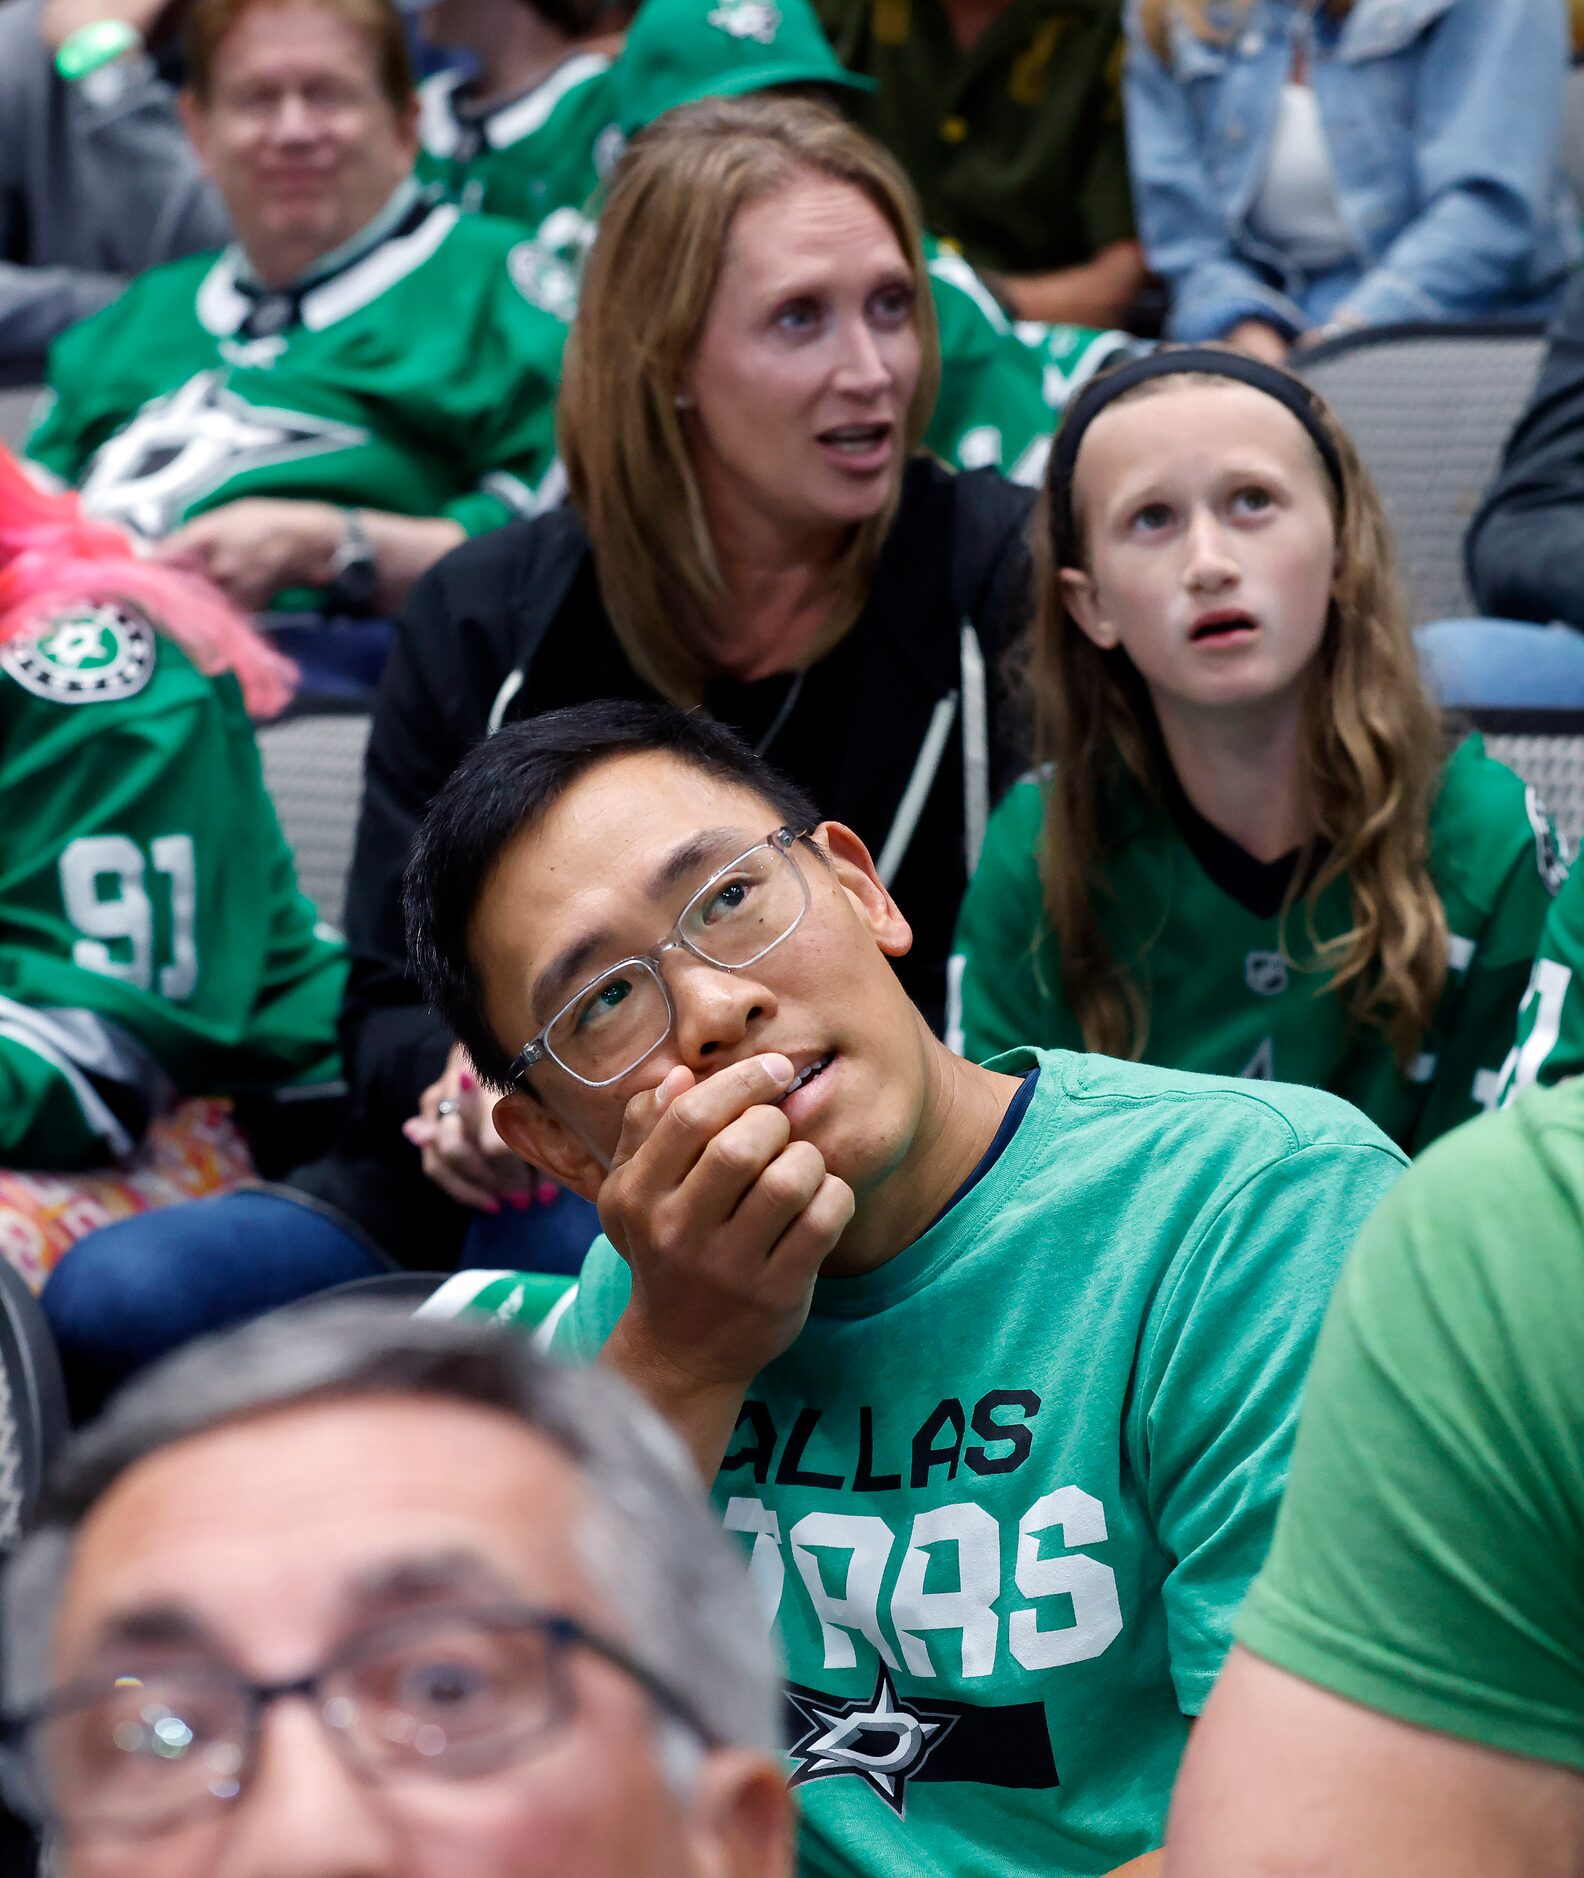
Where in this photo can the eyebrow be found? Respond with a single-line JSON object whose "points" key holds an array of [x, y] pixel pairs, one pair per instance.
{"points": [[568, 965], [151, 1627], [417, 1577]]}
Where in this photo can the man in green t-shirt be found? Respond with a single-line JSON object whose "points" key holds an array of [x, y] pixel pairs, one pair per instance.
{"points": [[994, 1369], [1008, 118], [1409, 1691]]}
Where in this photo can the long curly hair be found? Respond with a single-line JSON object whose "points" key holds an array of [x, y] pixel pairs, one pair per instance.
{"points": [[1374, 750], [52, 555]]}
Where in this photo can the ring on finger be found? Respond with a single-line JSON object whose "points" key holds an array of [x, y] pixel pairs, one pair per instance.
{"points": [[448, 1105]]}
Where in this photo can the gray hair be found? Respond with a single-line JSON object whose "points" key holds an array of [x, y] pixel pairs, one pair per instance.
{"points": [[679, 1593]]}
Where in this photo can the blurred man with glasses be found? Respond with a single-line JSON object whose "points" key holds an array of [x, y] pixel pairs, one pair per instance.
{"points": [[346, 1594], [994, 1369]]}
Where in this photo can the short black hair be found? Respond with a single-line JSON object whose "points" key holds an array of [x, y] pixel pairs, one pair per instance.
{"points": [[501, 788]]}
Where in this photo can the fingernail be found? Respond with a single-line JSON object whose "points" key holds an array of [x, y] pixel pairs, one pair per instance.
{"points": [[465, 1080], [547, 1192], [779, 1067], [492, 1206], [519, 1202]]}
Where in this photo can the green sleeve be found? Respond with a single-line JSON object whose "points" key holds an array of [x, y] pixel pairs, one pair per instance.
{"points": [[991, 409], [1221, 1373], [81, 406], [1471, 1061], [1429, 1558], [1005, 977], [47, 1112], [1549, 1046], [511, 414]]}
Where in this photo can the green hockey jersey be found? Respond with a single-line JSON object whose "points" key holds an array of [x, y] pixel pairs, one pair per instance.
{"points": [[1549, 1046], [1229, 992], [420, 379], [153, 941], [537, 161]]}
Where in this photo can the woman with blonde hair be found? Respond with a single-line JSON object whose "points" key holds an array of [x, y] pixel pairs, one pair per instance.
{"points": [[1248, 851], [1306, 165]]}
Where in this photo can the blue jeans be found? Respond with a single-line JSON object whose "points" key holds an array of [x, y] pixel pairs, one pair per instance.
{"points": [[1503, 664], [134, 1291]]}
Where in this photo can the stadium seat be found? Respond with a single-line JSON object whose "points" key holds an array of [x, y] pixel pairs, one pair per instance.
{"points": [[33, 1419], [1546, 748], [16, 413], [1430, 408], [313, 764]]}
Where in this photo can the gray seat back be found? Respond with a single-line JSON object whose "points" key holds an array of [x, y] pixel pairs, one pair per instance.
{"points": [[1430, 409], [313, 765], [33, 1419], [1546, 748], [16, 413]]}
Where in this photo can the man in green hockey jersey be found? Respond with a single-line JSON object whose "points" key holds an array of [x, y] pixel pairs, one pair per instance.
{"points": [[994, 1369], [317, 414], [1549, 1046], [153, 940], [528, 135]]}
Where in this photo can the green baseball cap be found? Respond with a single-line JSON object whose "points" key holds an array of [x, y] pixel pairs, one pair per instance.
{"points": [[680, 50]]}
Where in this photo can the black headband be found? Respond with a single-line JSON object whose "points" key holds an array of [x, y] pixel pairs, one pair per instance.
{"points": [[1292, 393]]}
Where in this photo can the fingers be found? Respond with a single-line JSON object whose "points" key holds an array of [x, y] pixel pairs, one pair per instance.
{"points": [[674, 1130], [734, 1162]]}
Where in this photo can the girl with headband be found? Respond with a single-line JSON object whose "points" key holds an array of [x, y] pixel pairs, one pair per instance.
{"points": [[1248, 850]]}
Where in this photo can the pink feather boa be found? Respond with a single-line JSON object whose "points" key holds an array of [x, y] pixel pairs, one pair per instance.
{"points": [[52, 555]]}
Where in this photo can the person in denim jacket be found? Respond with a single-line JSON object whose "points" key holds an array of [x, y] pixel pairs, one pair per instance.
{"points": [[1300, 166]]}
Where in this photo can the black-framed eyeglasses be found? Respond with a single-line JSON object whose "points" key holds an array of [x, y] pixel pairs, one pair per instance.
{"points": [[624, 1013], [443, 1694]]}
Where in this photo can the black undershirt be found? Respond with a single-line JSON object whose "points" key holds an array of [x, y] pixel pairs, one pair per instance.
{"points": [[1259, 886]]}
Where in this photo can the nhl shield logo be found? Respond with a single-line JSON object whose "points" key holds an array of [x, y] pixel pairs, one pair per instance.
{"points": [[1265, 974], [748, 19], [91, 655]]}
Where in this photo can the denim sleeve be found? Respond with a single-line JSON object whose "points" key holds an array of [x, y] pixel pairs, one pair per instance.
{"points": [[1181, 219], [1489, 125]]}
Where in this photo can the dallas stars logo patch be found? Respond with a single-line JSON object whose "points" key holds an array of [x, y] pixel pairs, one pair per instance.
{"points": [[88, 656], [185, 446], [748, 19], [883, 1741]]}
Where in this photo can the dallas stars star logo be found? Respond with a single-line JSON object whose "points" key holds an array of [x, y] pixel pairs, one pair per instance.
{"points": [[883, 1741], [184, 446]]}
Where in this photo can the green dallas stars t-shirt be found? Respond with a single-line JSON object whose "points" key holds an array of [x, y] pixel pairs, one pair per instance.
{"points": [[144, 885], [1226, 998], [421, 380], [1005, 1493]]}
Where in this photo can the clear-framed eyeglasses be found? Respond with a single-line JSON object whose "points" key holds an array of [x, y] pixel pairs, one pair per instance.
{"points": [[436, 1695], [622, 1015]]}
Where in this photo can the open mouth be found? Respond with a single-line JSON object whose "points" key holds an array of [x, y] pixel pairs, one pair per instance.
{"points": [[856, 439], [1225, 628], [806, 1076]]}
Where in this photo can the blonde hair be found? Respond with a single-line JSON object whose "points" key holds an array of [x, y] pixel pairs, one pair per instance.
{"points": [[1374, 750], [1156, 17], [650, 278]]}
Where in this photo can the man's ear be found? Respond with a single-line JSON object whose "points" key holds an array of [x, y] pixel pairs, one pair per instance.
{"points": [[1083, 603], [855, 870], [743, 1819], [544, 1141]]}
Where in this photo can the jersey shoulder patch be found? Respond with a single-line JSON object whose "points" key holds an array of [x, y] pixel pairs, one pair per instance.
{"points": [[83, 655]]}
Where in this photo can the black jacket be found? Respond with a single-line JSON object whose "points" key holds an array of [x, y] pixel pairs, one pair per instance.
{"points": [[512, 624], [1525, 548]]}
